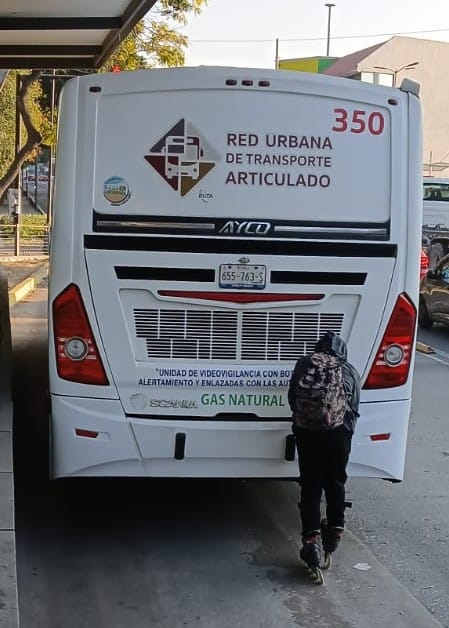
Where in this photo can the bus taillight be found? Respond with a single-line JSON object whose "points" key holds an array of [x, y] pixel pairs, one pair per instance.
{"points": [[392, 363], [77, 357]]}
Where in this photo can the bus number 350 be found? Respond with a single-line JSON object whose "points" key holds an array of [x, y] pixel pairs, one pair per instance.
{"points": [[359, 121]]}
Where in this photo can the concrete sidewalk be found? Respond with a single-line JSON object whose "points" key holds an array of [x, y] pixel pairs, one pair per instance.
{"points": [[9, 612], [408, 612], [9, 609]]}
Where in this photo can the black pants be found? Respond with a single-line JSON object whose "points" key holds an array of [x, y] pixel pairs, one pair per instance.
{"points": [[323, 457]]}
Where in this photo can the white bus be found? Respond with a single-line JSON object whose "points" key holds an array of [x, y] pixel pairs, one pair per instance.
{"points": [[179, 303]]}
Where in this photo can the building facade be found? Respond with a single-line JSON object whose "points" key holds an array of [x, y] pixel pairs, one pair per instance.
{"points": [[422, 60]]}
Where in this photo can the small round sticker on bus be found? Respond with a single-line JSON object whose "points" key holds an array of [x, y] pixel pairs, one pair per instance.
{"points": [[116, 190]]}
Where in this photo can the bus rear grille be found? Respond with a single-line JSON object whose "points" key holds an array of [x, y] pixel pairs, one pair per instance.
{"points": [[220, 335], [284, 335]]}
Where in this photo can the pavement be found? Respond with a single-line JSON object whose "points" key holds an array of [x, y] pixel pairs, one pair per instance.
{"points": [[9, 295], [409, 613], [9, 613]]}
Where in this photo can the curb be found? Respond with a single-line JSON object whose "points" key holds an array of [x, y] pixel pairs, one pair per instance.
{"points": [[22, 289], [23, 258]]}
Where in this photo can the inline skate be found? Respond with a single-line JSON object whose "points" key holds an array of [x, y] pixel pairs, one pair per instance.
{"points": [[310, 554], [331, 537]]}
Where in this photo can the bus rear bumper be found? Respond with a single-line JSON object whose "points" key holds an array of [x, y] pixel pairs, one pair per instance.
{"points": [[93, 437], [380, 440]]}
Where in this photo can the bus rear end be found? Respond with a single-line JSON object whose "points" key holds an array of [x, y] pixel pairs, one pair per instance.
{"points": [[209, 226]]}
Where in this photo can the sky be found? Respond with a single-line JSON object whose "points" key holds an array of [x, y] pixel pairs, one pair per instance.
{"points": [[244, 32]]}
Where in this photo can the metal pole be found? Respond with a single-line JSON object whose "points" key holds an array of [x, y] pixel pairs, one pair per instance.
{"points": [[18, 206], [329, 5], [35, 181], [276, 60], [50, 165]]}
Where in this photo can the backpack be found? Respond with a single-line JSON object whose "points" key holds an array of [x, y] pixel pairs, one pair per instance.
{"points": [[320, 396]]}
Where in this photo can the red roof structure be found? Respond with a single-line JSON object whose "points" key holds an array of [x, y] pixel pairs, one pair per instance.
{"points": [[348, 66]]}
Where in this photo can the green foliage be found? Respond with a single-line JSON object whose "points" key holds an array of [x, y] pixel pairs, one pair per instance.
{"points": [[31, 225], [8, 125], [178, 9], [47, 129], [156, 40]]}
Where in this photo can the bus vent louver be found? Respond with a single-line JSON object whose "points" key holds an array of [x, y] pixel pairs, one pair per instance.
{"points": [[277, 336], [214, 334], [188, 334]]}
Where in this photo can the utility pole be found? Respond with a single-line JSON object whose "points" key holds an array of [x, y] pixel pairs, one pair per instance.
{"points": [[329, 6]]}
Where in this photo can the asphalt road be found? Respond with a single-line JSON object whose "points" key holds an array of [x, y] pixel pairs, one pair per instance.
{"points": [[406, 525], [437, 336], [163, 554]]}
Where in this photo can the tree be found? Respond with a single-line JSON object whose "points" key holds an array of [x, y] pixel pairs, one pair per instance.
{"points": [[154, 41], [31, 118]]}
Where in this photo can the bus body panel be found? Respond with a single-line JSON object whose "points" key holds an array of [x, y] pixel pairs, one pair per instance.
{"points": [[205, 348], [236, 449], [215, 229]]}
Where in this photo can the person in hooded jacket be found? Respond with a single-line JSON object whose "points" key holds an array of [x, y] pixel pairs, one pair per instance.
{"points": [[323, 455]]}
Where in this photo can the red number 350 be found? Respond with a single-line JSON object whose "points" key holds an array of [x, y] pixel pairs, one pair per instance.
{"points": [[358, 122]]}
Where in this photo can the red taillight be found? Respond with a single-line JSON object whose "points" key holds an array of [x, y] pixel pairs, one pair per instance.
{"points": [[380, 437], [77, 357], [86, 433], [424, 267], [392, 363]]}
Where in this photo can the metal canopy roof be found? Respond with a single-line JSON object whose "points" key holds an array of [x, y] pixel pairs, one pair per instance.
{"points": [[64, 34]]}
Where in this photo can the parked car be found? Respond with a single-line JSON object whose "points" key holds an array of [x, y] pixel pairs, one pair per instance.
{"points": [[424, 267], [434, 295]]}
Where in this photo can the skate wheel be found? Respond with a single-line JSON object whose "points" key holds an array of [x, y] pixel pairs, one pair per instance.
{"points": [[315, 574]]}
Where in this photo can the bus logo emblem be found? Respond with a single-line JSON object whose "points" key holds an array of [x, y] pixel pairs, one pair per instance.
{"points": [[182, 157], [245, 227], [116, 190]]}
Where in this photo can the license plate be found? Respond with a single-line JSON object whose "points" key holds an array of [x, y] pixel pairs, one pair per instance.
{"points": [[247, 276]]}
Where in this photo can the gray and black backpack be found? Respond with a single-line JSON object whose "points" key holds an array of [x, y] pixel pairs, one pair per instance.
{"points": [[320, 396]]}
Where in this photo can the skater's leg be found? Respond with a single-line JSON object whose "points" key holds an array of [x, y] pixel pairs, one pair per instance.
{"points": [[338, 450], [331, 538], [311, 479]]}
